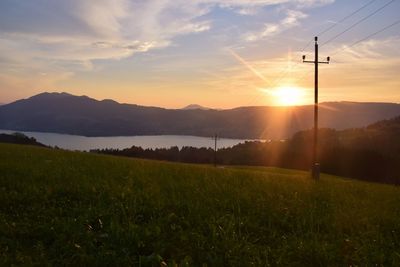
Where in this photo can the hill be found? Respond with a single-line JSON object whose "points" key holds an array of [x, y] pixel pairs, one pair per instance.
{"points": [[19, 138], [70, 208], [81, 115], [195, 106]]}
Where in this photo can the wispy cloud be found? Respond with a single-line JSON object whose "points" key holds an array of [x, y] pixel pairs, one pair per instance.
{"points": [[291, 19], [370, 69], [37, 35], [73, 26], [84, 30]]}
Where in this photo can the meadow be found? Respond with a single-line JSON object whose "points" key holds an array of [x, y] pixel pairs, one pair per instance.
{"points": [[61, 208]]}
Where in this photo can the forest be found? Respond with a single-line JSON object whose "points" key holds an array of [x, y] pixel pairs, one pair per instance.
{"points": [[371, 153]]}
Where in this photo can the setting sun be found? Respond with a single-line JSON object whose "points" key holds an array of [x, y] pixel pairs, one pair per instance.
{"points": [[288, 95], [200, 132]]}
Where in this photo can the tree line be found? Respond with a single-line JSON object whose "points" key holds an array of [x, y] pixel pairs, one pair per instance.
{"points": [[371, 153]]}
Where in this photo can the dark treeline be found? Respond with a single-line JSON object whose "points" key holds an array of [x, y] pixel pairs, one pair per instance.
{"points": [[371, 153], [19, 138]]}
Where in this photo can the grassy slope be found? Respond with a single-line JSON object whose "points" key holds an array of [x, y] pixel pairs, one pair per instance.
{"points": [[69, 208]]}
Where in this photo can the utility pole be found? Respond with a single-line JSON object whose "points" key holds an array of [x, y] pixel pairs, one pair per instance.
{"points": [[315, 168], [215, 150]]}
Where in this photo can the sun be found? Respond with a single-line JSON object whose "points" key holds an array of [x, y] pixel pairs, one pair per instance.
{"points": [[287, 96]]}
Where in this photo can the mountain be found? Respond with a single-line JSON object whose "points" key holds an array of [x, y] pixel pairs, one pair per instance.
{"points": [[81, 115], [195, 106]]}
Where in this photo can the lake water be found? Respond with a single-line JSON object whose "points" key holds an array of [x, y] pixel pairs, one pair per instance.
{"points": [[76, 142]]}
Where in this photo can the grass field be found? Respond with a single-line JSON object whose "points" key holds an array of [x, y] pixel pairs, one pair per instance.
{"points": [[70, 208]]}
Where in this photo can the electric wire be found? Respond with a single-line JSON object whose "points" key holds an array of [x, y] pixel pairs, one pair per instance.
{"points": [[367, 37], [345, 18], [286, 71], [357, 23], [337, 23]]}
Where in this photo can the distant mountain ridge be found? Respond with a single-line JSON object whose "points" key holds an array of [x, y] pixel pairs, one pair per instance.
{"points": [[195, 106], [82, 115]]}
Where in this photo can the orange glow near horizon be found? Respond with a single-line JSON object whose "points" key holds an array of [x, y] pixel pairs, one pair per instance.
{"points": [[287, 95]]}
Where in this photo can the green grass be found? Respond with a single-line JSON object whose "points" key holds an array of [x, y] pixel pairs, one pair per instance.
{"points": [[70, 208]]}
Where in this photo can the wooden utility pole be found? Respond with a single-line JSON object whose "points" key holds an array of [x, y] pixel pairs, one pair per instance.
{"points": [[215, 150], [315, 165]]}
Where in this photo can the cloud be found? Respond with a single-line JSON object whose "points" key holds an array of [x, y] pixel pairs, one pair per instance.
{"points": [[72, 34], [247, 11], [369, 68], [81, 29], [367, 71], [313, 3], [292, 19], [373, 50]]}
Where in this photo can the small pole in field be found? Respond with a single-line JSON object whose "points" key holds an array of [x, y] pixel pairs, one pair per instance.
{"points": [[215, 150]]}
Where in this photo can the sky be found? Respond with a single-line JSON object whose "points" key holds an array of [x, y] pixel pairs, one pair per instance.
{"points": [[215, 53]]}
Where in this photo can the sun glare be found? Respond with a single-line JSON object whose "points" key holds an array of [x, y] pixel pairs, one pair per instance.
{"points": [[287, 96]]}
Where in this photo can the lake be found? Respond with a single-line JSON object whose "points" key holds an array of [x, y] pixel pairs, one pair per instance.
{"points": [[82, 143]]}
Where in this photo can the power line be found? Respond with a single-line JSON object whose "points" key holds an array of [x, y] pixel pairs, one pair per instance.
{"points": [[306, 46], [368, 37], [337, 23], [353, 44], [315, 165], [283, 74], [343, 19], [301, 78], [286, 70], [358, 22]]}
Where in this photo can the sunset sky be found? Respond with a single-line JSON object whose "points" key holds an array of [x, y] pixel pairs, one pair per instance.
{"points": [[216, 53]]}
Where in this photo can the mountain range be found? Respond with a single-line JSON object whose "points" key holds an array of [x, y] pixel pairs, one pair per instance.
{"points": [[81, 115]]}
